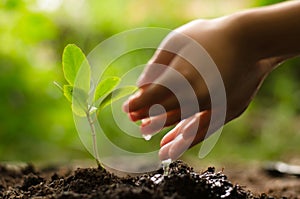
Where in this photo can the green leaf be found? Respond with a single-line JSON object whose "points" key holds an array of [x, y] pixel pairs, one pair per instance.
{"points": [[72, 59], [105, 87], [68, 92], [79, 101], [116, 95]]}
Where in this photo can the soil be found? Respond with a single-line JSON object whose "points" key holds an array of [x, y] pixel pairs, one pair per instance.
{"points": [[181, 182]]}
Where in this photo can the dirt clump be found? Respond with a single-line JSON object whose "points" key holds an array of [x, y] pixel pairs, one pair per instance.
{"points": [[181, 182]]}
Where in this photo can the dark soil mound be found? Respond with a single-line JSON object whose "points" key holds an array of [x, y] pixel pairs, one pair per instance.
{"points": [[181, 182]]}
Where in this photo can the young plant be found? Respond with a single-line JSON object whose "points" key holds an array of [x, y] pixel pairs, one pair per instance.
{"points": [[83, 105]]}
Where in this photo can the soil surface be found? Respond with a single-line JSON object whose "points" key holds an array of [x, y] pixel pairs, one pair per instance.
{"points": [[258, 178], [180, 182]]}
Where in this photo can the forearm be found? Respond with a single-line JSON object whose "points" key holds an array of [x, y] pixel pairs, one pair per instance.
{"points": [[270, 31]]}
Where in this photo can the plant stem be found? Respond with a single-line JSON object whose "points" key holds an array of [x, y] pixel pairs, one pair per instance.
{"points": [[93, 130]]}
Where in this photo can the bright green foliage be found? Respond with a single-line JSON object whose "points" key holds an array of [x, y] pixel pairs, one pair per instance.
{"points": [[73, 58], [80, 105], [80, 102], [75, 63], [68, 90], [105, 87]]}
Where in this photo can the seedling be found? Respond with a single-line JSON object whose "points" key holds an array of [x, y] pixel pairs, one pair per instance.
{"points": [[82, 103]]}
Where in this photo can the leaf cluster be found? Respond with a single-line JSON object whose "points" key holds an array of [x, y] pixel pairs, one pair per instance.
{"points": [[75, 61]]}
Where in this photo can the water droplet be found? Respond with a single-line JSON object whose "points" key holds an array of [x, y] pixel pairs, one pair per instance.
{"points": [[165, 166], [147, 137]]}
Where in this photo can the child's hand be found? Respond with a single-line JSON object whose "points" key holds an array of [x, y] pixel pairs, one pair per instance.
{"points": [[242, 70]]}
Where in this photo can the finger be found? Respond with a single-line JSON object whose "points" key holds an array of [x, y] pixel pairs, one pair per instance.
{"points": [[199, 122], [146, 97], [203, 125], [169, 104], [189, 133], [184, 134], [206, 131], [164, 151], [179, 82], [178, 147], [125, 105], [174, 144], [173, 88], [155, 67], [204, 134], [171, 135], [155, 124]]}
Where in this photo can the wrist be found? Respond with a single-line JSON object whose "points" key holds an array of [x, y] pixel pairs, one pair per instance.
{"points": [[237, 39], [267, 32], [243, 35]]}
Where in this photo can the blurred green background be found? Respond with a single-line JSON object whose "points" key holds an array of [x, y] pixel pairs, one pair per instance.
{"points": [[36, 122]]}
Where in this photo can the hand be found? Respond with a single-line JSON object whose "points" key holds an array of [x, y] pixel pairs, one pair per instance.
{"points": [[241, 70]]}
